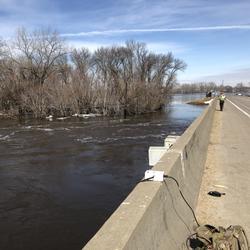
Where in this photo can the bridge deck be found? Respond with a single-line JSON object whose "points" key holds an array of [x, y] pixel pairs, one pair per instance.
{"points": [[228, 167]]}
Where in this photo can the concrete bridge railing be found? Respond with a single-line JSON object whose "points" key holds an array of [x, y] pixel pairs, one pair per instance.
{"points": [[154, 216]]}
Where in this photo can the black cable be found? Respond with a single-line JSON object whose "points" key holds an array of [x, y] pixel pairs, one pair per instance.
{"points": [[170, 177], [190, 236], [147, 179], [177, 183]]}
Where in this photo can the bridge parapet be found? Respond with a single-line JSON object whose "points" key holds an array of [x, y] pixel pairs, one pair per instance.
{"points": [[154, 216]]}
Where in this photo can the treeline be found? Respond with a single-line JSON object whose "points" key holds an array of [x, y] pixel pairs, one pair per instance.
{"points": [[203, 87], [41, 76]]}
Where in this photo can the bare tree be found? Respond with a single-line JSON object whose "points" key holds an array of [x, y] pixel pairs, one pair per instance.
{"points": [[38, 54], [83, 79], [39, 75], [64, 69]]}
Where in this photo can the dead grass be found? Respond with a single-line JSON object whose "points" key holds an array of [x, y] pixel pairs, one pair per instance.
{"points": [[200, 101]]}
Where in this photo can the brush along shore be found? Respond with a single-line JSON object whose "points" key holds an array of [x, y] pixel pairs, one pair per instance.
{"points": [[204, 101]]}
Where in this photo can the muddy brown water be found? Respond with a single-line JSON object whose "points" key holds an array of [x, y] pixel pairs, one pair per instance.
{"points": [[61, 180]]}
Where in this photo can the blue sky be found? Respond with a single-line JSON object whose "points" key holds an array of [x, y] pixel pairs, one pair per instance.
{"points": [[211, 36]]}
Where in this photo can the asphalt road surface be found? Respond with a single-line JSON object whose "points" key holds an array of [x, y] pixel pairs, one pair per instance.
{"points": [[227, 167]]}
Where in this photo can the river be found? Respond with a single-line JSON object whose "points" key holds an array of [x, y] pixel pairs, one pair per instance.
{"points": [[60, 180]]}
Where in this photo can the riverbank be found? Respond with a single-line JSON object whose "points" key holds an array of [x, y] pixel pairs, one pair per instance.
{"points": [[203, 101], [58, 116]]}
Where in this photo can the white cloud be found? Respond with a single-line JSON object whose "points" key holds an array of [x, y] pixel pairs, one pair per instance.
{"points": [[157, 47], [164, 47], [235, 76], [92, 46], [124, 31], [231, 77], [172, 13], [124, 16]]}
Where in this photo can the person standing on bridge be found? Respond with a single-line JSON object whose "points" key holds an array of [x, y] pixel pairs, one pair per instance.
{"points": [[222, 99]]}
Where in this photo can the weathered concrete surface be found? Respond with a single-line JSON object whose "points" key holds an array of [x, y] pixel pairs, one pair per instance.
{"points": [[227, 168], [156, 152], [154, 216]]}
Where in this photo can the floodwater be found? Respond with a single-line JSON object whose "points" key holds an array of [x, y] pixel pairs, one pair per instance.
{"points": [[61, 180]]}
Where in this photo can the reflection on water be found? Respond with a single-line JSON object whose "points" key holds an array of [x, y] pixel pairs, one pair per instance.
{"points": [[182, 99], [61, 180]]}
